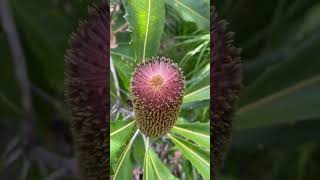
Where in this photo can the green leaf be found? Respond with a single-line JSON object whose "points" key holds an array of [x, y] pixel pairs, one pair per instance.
{"points": [[200, 158], [148, 172], [188, 169], [196, 105], [123, 168], [123, 70], [121, 131], [138, 150], [124, 50], [146, 21], [199, 133], [193, 11], [198, 95], [200, 82], [124, 63], [161, 170], [287, 93], [156, 168], [279, 136]]}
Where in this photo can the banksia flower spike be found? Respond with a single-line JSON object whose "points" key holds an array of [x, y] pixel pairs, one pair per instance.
{"points": [[157, 88], [225, 86], [87, 92]]}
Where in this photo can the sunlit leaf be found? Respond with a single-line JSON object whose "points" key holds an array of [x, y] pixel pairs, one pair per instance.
{"points": [[198, 95], [199, 133], [148, 171], [162, 172], [123, 167], [199, 158], [121, 131], [146, 22]]}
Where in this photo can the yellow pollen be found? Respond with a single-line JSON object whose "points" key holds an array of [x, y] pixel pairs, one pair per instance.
{"points": [[156, 81]]}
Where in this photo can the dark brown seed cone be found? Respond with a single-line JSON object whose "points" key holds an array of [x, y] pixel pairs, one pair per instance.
{"points": [[87, 92], [225, 86], [157, 88]]}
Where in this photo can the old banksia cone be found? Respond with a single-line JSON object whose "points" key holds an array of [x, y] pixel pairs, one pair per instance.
{"points": [[157, 87], [87, 92], [225, 86]]}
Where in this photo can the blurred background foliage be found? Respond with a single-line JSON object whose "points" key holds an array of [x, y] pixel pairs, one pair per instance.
{"points": [[277, 130], [44, 28]]}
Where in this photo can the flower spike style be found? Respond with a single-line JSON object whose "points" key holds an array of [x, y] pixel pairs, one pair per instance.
{"points": [[87, 92], [157, 87], [225, 87]]}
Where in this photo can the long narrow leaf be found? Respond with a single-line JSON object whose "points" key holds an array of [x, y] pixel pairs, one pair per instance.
{"points": [[199, 133], [286, 93], [160, 171], [123, 168], [199, 158], [198, 95], [148, 172], [146, 21], [121, 131], [194, 11]]}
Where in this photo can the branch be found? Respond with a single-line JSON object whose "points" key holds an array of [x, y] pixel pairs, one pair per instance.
{"points": [[116, 85]]}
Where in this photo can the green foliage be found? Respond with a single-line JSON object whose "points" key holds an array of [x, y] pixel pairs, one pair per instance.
{"points": [[44, 28], [120, 134], [194, 11], [278, 112], [196, 132], [198, 95], [154, 168], [146, 22], [199, 158]]}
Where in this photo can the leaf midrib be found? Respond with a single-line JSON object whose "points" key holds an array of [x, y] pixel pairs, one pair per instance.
{"points": [[195, 92], [191, 132], [123, 156], [191, 10], [283, 92], [190, 150], [147, 30], [154, 167], [121, 129]]}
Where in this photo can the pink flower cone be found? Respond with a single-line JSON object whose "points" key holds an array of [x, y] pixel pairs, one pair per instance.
{"points": [[157, 87]]}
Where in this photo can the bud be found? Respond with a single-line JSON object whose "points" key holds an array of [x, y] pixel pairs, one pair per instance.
{"points": [[225, 86], [87, 92], [157, 88]]}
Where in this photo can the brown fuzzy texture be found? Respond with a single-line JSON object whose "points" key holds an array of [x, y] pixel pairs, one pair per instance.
{"points": [[156, 114], [225, 87], [87, 92]]}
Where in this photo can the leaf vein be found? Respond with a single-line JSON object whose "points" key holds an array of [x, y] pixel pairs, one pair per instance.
{"points": [[195, 154], [147, 31]]}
